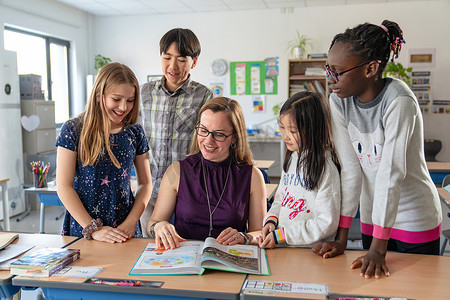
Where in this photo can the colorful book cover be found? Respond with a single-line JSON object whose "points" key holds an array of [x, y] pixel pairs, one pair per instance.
{"points": [[45, 258]]}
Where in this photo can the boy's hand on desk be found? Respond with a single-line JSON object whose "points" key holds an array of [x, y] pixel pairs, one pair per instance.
{"points": [[109, 234], [330, 249]]}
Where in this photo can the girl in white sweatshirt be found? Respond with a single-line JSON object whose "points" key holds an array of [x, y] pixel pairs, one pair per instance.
{"points": [[306, 208]]}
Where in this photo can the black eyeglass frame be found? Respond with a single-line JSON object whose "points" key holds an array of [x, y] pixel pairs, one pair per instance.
{"points": [[335, 75], [214, 134]]}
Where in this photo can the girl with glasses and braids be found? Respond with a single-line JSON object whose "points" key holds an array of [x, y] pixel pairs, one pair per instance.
{"points": [[378, 133]]}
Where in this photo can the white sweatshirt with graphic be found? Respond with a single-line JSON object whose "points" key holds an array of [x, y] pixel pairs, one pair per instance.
{"points": [[304, 217], [380, 148]]}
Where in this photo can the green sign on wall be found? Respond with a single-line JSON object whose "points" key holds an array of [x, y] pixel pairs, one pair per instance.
{"points": [[249, 78]]}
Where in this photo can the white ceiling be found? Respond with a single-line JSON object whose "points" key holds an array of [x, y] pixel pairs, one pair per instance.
{"points": [[156, 7]]}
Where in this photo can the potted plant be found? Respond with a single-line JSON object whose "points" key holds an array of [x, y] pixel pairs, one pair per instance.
{"points": [[100, 61], [298, 47], [396, 70]]}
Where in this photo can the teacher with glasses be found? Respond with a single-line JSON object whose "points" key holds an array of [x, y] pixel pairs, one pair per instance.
{"points": [[216, 191]]}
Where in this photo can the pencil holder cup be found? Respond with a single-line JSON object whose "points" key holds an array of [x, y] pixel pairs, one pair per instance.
{"points": [[39, 180]]}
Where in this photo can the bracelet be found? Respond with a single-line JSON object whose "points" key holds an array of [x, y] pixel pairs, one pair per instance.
{"points": [[246, 239], [152, 229], [90, 228]]}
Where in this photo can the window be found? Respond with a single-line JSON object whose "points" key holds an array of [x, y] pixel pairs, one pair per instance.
{"points": [[46, 56]]}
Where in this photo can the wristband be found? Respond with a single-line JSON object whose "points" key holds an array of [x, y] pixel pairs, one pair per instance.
{"points": [[90, 228], [246, 239], [271, 219], [152, 229], [279, 236]]}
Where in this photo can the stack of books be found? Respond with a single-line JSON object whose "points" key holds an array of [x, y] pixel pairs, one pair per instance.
{"points": [[315, 72], [44, 262]]}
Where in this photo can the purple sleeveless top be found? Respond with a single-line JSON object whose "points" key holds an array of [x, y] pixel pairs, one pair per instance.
{"points": [[191, 210]]}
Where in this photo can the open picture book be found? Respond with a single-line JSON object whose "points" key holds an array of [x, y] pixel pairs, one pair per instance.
{"points": [[193, 257]]}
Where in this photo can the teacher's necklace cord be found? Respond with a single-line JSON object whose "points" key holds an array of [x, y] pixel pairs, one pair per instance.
{"points": [[207, 195]]}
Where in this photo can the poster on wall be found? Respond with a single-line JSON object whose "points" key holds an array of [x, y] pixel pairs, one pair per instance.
{"points": [[249, 78], [217, 86], [258, 103]]}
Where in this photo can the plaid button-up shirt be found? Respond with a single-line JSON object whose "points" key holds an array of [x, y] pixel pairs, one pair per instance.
{"points": [[169, 121]]}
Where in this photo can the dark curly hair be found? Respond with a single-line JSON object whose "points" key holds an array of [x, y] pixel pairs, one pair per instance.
{"points": [[373, 42]]}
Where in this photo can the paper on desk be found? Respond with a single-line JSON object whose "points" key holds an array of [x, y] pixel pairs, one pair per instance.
{"points": [[12, 251], [75, 271], [447, 188]]}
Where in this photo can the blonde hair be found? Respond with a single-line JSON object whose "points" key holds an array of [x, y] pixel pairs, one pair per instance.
{"points": [[241, 153], [94, 137]]}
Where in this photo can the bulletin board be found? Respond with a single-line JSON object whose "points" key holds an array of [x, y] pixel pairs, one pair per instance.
{"points": [[249, 78]]}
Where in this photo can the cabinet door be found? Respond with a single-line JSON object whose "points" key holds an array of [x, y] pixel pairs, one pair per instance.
{"points": [[46, 113]]}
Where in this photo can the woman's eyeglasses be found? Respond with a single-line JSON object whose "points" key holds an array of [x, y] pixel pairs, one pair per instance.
{"points": [[335, 76], [218, 136]]}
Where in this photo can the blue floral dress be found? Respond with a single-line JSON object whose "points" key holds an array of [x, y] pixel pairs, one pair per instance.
{"points": [[103, 189]]}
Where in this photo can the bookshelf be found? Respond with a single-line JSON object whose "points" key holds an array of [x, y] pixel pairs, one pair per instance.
{"points": [[308, 74]]}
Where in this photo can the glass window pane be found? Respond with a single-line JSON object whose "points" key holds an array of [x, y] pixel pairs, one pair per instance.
{"points": [[60, 80], [31, 58]]}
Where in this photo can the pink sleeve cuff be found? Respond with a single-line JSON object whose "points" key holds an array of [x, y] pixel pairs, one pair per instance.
{"points": [[383, 233], [345, 222]]}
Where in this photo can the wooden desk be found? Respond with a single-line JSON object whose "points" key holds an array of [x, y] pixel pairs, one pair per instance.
{"points": [[438, 166], [47, 196], [413, 276], [4, 185], [264, 164], [117, 261], [39, 241], [438, 170], [445, 196]]}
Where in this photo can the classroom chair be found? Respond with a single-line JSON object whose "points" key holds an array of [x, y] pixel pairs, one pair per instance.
{"points": [[445, 233], [267, 180], [432, 148]]}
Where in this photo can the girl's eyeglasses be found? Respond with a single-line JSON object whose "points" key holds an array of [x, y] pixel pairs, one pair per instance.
{"points": [[335, 76], [218, 136]]}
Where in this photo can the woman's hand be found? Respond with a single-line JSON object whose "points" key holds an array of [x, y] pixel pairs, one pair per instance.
{"points": [[230, 236], [166, 235], [110, 235]]}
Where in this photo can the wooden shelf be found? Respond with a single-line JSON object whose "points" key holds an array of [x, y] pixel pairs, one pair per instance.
{"points": [[298, 81]]}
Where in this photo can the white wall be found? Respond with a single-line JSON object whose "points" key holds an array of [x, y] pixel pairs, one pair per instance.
{"points": [[255, 35], [235, 36], [52, 18]]}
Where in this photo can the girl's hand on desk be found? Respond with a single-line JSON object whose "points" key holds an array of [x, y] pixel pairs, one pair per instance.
{"points": [[167, 236], [109, 234], [330, 249], [267, 229], [128, 228], [373, 263], [267, 242]]}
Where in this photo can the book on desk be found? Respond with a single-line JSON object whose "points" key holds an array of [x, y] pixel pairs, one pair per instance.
{"points": [[193, 257], [44, 262]]}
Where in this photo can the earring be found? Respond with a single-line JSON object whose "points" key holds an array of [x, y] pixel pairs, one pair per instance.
{"points": [[233, 145]]}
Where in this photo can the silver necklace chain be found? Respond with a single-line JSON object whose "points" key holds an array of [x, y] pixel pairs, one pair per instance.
{"points": [[207, 195]]}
